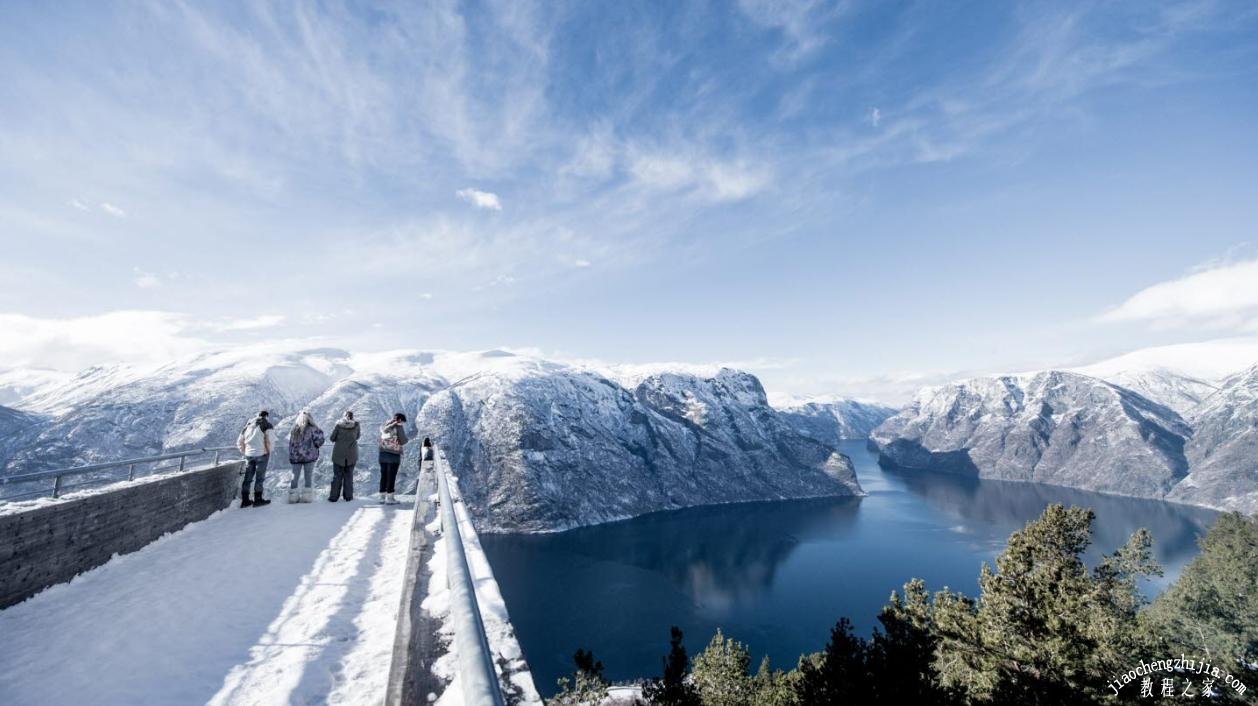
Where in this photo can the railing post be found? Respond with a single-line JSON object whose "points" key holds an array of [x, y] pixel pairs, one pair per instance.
{"points": [[131, 472], [182, 460], [217, 452], [56, 487]]}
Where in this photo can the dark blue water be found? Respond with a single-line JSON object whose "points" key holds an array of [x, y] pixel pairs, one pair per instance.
{"points": [[777, 575]]}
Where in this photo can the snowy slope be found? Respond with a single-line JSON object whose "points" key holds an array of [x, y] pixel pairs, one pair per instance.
{"points": [[19, 383], [673, 441], [831, 421], [541, 446], [1223, 452], [1051, 427], [114, 413]]}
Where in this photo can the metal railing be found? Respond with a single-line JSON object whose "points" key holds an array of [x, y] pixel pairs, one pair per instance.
{"points": [[477, 677], [59, 475]]}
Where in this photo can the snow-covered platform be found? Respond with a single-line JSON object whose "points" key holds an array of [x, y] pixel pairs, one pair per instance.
{"points": [[286, 604]]}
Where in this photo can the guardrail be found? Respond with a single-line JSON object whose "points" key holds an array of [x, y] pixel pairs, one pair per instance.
{"points": [[478, 679], [58, 475]]}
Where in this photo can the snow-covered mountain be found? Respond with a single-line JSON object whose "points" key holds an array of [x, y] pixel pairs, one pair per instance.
{"points": [[12, 425], [18, 383], [1069, 429], [670, 442], [837, 420], [543, 446], [1223, 451], [1051, 427]]}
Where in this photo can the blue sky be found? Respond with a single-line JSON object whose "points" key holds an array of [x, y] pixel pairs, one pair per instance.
{"points": [[840, 197]]}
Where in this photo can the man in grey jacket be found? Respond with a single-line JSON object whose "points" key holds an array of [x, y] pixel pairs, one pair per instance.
{"points": [[344, 456]]}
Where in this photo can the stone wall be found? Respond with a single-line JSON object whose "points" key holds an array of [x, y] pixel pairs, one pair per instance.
{"points": [[51, 544]]}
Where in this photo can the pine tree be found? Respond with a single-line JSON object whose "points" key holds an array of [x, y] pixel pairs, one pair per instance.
{"points": [[902, 652], [839, 674], [672, 688], [773, 687], [585, 686], [720, 674], [1044, 630], [1211, 611]]}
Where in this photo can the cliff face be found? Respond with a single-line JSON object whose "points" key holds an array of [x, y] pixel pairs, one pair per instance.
{"points": [[1051, 427], [550, 447], [1223, 451], [837, 420]]}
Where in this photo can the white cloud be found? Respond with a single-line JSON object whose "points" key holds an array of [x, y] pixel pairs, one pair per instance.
{"points": [[146, 280], [249, 324], [112, 210], [480, 199], [875, 116], [713, 179], [426, 296], [75, 203], [581, 263], [140, 337], [1224, 296]]}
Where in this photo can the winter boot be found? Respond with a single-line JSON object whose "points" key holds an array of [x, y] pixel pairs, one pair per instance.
{"points": [[292, 496], [307, 495], [392, 500], [244, 499], [259, 501]]}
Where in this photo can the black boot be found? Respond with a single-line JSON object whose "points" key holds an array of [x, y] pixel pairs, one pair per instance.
{"points": [[244, 499], [259, 501]]}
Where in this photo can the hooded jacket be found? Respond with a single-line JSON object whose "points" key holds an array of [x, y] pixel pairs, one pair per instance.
{"points": [[305, 447], [345, 442]]}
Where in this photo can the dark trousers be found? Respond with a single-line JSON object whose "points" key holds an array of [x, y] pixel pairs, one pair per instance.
{"points": [[388, 476], [342, 482], [255, 473]]}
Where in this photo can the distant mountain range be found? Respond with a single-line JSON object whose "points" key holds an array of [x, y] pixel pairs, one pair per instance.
{"points": [[545, 445], [541, 445], [1172, 437]]}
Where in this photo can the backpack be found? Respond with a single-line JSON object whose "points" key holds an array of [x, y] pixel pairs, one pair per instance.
{"points": [[252, 435], [389, 441]]}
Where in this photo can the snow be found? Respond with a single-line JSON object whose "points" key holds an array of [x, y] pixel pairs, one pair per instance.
{"points": [[493, 609], [285, 604]]}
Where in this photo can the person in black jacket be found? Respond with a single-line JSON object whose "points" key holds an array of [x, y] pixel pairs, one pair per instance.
{"points": [[392, 439]]}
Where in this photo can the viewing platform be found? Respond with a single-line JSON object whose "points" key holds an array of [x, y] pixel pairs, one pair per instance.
{"points": [[348, 602]]}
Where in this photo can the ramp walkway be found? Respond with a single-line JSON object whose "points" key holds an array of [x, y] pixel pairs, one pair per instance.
{"points": [[285, 604]]}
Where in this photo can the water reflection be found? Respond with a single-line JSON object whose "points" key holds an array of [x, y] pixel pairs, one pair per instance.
{"points": [[777, 575]]}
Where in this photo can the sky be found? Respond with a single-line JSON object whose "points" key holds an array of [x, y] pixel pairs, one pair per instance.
{"points": [[844, 198]]}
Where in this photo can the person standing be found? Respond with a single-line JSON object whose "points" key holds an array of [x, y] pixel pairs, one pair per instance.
{"points": [[344, 456], [392, 439], [426, 451], [254, 443], [304, 441]]}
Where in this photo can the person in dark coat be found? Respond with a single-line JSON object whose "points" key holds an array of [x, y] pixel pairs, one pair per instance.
{"points": [[392, 439], [344, 456]]}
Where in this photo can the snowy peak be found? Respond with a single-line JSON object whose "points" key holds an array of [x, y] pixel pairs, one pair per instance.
{"points": [[1053, 427], [1223, 451], [837, 420], [557, 447]]}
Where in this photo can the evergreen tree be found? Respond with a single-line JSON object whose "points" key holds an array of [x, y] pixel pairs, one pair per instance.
{"points": [[1044, 630], [773, 687], [586, 686], [839, 674], [901, 654], [720, 674], [1211, 611], [672, 688]]}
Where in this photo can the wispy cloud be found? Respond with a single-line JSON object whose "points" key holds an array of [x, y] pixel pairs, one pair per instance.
{"points": [[252, 323], [142, 337], [1223, 296], [146, 280], [113, 210], [480, 199]]}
